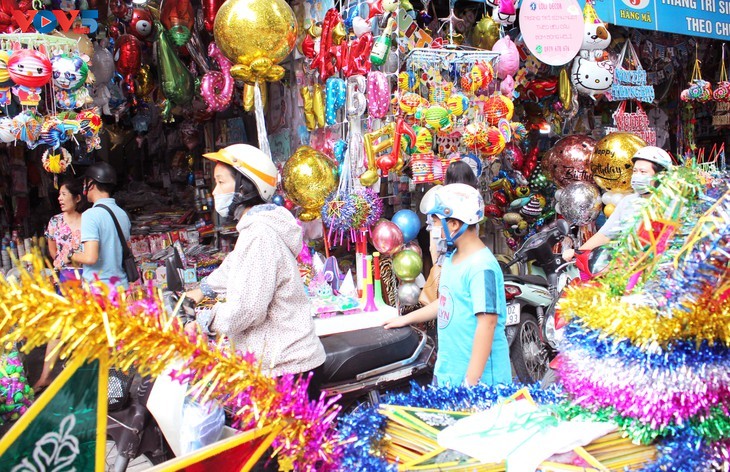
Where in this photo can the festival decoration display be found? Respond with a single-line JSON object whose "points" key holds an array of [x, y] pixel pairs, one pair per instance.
{"points": [[611, 163], [629, 83], [661, 353], [308, 178], [699, 90], [636, 123], [15, 393], [116, 327]]}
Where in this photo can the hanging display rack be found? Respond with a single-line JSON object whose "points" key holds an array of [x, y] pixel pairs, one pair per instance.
{"points": [[35, 40], [419, 57]]}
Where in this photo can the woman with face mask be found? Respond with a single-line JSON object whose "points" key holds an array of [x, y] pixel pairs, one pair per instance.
{"points": [[266, 310], [648, 162]]}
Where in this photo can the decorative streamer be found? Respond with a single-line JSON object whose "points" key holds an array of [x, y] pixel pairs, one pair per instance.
{"points": [[263, 136], [92, 322]]}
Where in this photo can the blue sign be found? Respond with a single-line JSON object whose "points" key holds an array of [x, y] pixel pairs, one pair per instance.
{"points": [[705, 18]]}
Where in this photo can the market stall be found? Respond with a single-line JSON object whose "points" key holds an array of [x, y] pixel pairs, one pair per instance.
{"points": [[363, 106]]}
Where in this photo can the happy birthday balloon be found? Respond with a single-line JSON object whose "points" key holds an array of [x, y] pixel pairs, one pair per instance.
{"points": [[611, 162], [569, 160]]}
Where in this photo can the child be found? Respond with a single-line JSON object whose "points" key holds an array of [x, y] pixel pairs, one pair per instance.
{"points": [[471, 309]]}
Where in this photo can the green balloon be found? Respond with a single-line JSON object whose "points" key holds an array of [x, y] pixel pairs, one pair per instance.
{"points": [[407, 264], [179, 34], [175, 79]]}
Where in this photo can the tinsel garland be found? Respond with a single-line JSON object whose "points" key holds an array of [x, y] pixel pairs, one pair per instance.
{"points": [[657, 397], [133, 329], [667, 204], [593, 307]]}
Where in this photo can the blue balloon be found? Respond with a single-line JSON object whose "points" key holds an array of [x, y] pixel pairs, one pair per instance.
{"points": [[409, 224], [278, 200]]}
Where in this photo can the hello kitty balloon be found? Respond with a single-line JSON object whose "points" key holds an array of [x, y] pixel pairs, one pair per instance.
{"points": [[591, 78]]}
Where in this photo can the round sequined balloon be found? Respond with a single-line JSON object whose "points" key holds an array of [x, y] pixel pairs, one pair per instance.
{"points": [[309, 176], [611, 162]]}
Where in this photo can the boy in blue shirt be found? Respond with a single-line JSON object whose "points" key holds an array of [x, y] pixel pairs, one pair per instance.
{"points": [[471, 309]]}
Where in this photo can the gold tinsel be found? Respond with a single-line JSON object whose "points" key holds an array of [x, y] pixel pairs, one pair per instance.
{"points": [[91, 324], [594, 308]]}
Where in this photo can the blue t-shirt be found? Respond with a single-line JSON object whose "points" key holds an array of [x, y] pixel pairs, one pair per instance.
{"points": [[473, 286], [97, 225]]}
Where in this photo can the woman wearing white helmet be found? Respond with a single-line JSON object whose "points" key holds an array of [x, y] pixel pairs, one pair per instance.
{"points": [[471, 309], [266, 310], [648, 162]]}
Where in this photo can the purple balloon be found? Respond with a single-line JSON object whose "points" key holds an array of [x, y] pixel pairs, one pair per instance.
{"points": [[386, 237]]}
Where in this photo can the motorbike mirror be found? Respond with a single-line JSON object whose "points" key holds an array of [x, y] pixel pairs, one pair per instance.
{"points": [[563, 227]]}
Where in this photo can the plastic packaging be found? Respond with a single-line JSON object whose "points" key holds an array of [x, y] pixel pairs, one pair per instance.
{"points": [[202, 425]]}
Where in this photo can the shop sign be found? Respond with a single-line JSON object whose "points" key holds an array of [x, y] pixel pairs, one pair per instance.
{"points": [[46, 21], [705, 18], [552, 29]]}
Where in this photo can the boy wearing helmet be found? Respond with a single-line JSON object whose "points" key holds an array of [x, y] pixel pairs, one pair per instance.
{"points": [[471, 309], [648, 162], [266, 310], [102, 251]]}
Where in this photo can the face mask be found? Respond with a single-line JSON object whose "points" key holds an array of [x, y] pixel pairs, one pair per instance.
{"points": [[223, 203], [438, 240], [641, 183]]}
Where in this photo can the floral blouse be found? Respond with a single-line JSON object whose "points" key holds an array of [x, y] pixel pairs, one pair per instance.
{"points": [[66, 240]]}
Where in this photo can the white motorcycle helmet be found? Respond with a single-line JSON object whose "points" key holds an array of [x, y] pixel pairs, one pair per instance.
{"points": [[251, 162], [654, 154], [458, 201]]}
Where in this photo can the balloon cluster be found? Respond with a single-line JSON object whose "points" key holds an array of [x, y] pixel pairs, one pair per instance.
{"points": [[396, 238]]}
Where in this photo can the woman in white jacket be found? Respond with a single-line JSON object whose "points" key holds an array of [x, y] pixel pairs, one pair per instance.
{"points": [[266, 310]]}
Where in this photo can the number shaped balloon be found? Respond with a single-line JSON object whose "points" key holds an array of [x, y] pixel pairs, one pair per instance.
{"points": [[378, 94], [356, 102], [217, 87], [336, 94]]}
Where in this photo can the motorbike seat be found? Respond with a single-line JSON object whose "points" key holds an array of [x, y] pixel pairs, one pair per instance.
{"points": [[530, 279], [355, 352]]}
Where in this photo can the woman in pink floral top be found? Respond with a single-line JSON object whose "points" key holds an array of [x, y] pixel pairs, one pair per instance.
{"points": [[64, 229]]}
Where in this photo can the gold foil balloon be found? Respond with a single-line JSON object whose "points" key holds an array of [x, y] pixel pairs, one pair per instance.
{"points": [[611, 162], [255, 35], [309, 176], [144, 81], [565, 89], [486, 33], [248, 96]]}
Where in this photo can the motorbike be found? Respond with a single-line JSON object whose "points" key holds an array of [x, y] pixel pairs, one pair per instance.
{"points": [[590, 264], [133, 435], [360, 366], [530, 295]]}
